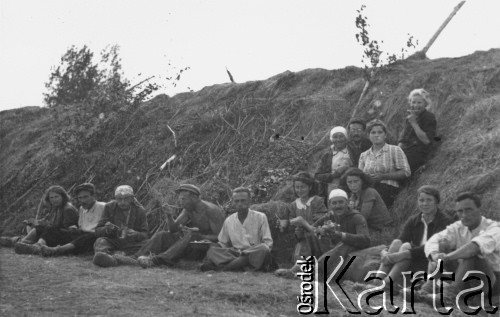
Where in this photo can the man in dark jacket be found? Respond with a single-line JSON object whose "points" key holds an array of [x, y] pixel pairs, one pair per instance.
{"points": [[123, 227], [406, 253], [348, 233], [357, 142]]}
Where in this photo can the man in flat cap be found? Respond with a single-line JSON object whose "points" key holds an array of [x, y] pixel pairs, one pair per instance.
{"points": [[82, 235], [123, 227], [245, 239], [199, 220]]}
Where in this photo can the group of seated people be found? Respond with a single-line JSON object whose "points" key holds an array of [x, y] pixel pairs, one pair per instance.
{"points": [[358, 200]]}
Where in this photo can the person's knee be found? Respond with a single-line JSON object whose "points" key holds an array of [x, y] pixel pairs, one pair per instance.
{"points": [[395, 245], [405, 247], [100, 244]]}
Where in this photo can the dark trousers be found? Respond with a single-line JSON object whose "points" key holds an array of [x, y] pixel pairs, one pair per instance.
{"points": [[415, 158], [110, 245], [55, 236], [84, 242], [169, 247], [387, 192]]}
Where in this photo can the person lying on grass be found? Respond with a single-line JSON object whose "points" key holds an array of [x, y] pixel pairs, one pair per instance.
{"points": [[245, 239], [80, 239], [305, 211]]}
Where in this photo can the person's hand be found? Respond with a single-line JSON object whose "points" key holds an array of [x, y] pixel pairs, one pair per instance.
{"points": [[190, 229], [385, 258], [412, 117], [320, 231], [444, 246], [438, 256], [340, 170], [377, 177], [73, 228], [43, 222], [297, 221]]}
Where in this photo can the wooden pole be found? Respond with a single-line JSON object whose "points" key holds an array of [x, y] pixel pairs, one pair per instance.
{"points": [[365, 88], [452, 14]]}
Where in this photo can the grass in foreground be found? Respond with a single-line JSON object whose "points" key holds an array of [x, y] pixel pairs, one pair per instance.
{"points": [[73, 286]]}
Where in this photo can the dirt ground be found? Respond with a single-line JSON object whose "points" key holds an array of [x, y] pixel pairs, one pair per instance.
{"points": [[73, 286]]}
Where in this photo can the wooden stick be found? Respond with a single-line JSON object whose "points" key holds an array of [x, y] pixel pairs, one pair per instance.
{"points": [[30, 189], [452, 14], [140, 83], [365, 88]]}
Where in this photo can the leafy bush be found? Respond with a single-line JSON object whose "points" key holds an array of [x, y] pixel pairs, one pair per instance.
{"points": [[91, 102]]}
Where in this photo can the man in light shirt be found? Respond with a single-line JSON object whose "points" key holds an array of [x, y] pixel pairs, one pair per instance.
{"points": [[245, 239], [83, 235], [473, 241]]}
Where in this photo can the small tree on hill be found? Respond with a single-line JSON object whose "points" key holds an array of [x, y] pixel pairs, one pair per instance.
{"points": [[373, 56], [90, 101], [72, 81]]}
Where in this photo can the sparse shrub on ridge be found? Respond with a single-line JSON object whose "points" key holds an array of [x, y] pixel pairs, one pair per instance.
{"points": [[91, 101]]}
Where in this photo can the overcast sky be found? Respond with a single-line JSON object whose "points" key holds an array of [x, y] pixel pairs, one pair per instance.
{"points": [[254, 39]]}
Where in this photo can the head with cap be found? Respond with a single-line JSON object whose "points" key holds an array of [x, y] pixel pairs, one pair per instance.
{"points": [[356, 129], [338, 136], [337, 200], [304, 185], [124, 196], [56, 196], [188, 196], [419, 100], [241, 200], [85, 194]]}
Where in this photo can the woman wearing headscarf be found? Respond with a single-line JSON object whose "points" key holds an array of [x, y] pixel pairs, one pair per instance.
{"points": [[333, 163]]}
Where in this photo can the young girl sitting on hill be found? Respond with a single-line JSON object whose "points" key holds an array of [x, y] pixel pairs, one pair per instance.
{"points": [[365, 199], [304, 212]]}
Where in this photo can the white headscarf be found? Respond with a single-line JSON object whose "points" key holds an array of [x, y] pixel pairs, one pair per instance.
{"points": [[337, 129], [337, 193]]}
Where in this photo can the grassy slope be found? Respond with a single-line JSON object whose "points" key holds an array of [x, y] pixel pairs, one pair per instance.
{"points": [[222, 134]]}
